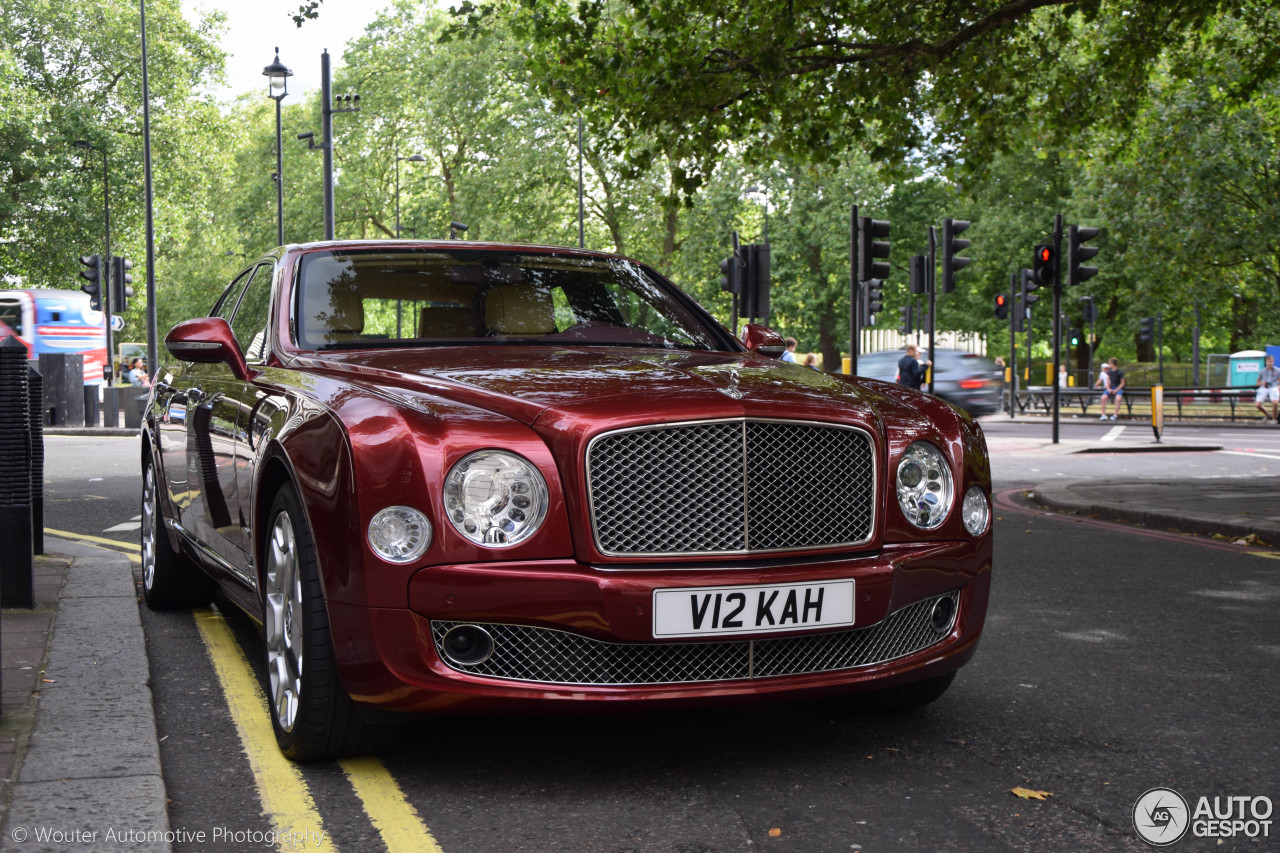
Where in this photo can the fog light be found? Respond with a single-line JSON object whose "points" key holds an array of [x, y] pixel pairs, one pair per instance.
{"points": [[467, 645], [975, 511], [943, 615], [399, 534]]}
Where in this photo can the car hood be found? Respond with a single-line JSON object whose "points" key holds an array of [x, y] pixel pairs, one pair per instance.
{"points": [[529, 383]]}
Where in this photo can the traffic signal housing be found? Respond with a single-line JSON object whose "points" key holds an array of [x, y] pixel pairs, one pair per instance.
{"points": [[92, 274], [918, 283], [1002, 306], [756, 280], [1045, 266], [872, 299], [951, 247], [120, 284], [904, 319], [870, 249], [1074, 336], [1145, 327], [1079, 252], [731, 274]]}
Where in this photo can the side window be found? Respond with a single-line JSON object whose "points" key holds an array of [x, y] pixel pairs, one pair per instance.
{"points": [[226, 304], [250, 321]]}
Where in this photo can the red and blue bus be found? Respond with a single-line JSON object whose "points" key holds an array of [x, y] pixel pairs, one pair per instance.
{"points": [[56, 321]]}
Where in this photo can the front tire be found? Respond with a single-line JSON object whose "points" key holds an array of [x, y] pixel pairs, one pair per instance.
{"points": [[169, 580], [311, 712]]}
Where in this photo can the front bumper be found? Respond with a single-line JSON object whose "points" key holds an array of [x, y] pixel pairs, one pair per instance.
{"points": [[571, 636]]}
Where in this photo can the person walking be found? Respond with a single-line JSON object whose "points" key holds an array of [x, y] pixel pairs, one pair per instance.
{"points": [[1104, 382], [911, 369], [1115, 387], [1268, 389], [790, 354], [811, 361]]}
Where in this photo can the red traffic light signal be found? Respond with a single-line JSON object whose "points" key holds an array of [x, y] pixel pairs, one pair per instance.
{"points": [[1046, 265], [1002, 306]]}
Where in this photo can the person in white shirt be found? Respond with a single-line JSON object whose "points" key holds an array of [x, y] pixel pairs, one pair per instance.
{"points": [[790, 354], [1268, 389]]}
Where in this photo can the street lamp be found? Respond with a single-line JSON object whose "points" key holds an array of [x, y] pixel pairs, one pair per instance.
{"points": [[412, 158], [765, 192], [277, 88], [106, 227]]}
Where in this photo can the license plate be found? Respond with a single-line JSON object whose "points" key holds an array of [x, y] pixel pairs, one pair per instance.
{"points": [[716, 610]]}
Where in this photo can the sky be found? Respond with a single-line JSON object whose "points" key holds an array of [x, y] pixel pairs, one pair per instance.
{"points": [[255, 28]]}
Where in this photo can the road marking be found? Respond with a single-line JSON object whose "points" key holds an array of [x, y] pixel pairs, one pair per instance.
{"points": [[392, 815], [124, 527], [129, 549], [1248, 453], [1113, 433], [286, 800], [1270, 555]]}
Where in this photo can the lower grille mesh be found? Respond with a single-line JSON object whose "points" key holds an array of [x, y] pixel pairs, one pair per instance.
{"points": [[551, 656]]}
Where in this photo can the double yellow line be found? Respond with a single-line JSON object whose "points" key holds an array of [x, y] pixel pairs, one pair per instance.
{"points": [[286, 799]]}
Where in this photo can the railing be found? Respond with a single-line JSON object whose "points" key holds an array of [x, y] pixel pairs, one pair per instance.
{"points": [[1180, 403]]}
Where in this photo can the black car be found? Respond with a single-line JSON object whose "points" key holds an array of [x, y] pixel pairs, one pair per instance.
{"points": [[967, 380]]}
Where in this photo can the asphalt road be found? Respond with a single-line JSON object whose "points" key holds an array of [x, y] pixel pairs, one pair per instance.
{"points": [[1114, 660]]}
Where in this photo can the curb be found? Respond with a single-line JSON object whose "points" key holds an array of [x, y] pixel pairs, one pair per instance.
{"points": [[92, 764], [1062, 498]]}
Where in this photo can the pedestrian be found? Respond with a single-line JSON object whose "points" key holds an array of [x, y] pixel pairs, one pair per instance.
{"points": [[911, 369], [138, 375], [1063, 380], [811, 360], [1104, 382], [1114, 388], [1268, 389], [790, 354]]}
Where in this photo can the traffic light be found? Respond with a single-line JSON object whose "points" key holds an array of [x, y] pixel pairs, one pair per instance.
{"points": [[120, 281], [870, 249], [1019, 313], [1090, 311], [1079, 252], [1074, 337], [872, 299], [1145, 327], [917, 282], [1044, 266], [731, 274], [92, 274], [756, 280], [904, 319], [951, 246], [1002, 306]]}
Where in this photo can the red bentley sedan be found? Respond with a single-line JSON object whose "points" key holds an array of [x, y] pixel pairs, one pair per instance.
{"points": [[451, 476]]}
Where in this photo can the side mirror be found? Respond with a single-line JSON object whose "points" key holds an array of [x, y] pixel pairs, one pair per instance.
{"points": [[763, 340], [207, 340]]}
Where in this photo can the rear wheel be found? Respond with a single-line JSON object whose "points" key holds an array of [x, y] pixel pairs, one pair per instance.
{"points": [[169, 580], [311, 712]]}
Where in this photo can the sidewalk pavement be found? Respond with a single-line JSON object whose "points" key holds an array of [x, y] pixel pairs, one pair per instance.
{"points": [[78, 733], [78, 744]]}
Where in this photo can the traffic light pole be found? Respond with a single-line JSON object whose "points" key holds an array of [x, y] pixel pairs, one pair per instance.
{"points": [[854, 302], [1012, 385], [1057, 310], [930, 277]]}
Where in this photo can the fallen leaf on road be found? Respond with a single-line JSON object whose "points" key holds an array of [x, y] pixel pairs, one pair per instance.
{"points": [[1028, 794], [775, 832]]}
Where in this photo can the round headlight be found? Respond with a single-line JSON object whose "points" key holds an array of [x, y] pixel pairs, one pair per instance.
{"points": [[924, 486], [495, 498], [399, 534], [975, 511]]}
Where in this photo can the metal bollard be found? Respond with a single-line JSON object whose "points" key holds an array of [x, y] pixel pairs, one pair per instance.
{"points": [[110, 407], [63, 387], [17, 563], [35, 392], [91, 405]]}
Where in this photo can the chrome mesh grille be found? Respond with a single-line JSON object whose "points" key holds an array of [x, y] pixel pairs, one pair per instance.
{"points": [[731, 487], [551, 656]]}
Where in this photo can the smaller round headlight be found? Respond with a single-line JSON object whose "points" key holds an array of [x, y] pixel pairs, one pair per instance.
{"points": [[975, 511], [925, 492], [399, 534]]}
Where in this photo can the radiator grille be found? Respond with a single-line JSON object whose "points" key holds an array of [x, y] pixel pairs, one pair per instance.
{"points": [[731, 487], [552, 656]]}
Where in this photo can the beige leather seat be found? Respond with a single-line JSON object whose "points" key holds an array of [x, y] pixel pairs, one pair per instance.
{"points": [[446, 321], [333, 314], [521, 310]]}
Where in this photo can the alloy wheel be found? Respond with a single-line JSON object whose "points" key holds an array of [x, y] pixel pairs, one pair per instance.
{"points": [[283, 620]]}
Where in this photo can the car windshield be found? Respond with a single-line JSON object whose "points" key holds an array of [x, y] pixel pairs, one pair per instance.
{"points": [[364, 298]]}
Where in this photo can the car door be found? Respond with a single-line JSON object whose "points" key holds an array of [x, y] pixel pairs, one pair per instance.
{"points": [[216, 416]]}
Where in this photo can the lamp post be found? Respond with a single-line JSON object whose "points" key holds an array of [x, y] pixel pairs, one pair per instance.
{"points": [[106, 227], [412, 158], [277, 88]]}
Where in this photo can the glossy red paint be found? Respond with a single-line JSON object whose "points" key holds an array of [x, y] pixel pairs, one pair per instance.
{"points": [[358, 430]]}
